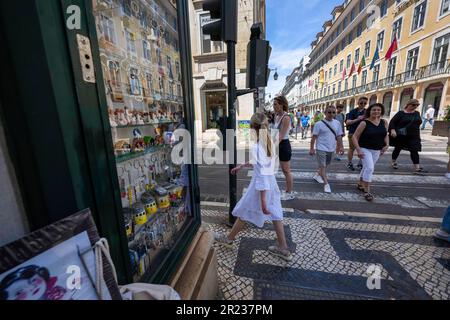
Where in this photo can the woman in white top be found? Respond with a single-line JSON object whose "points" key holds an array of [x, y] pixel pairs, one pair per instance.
{"points": [[283, 124], [262, 201]]}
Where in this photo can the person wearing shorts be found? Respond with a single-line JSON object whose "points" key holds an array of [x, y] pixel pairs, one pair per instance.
{"points": [[327, 134], [284, 125]]}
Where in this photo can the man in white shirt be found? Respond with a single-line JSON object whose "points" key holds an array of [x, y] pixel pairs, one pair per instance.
{"points": [[429, 116], [328, 135]]}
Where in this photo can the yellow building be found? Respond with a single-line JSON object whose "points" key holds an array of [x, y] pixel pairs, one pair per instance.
{"points": [[419, 68]]}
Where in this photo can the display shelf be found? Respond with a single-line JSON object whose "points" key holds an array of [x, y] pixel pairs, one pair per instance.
{"points": [[134, 155], [145, 124]]}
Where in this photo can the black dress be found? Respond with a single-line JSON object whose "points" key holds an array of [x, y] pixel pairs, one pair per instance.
{"points": [[411, 141]]}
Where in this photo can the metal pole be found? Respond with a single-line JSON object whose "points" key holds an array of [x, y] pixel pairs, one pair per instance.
{"points": [[231, 55]]}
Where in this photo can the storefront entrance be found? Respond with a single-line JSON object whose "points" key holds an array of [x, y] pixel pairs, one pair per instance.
{"points": [[387, 102], [433, 96], [214, 109], [406, 95]]}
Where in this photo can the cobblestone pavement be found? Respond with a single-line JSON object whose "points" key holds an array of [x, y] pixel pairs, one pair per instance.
{"points": [[338, 238], [332, 255]]}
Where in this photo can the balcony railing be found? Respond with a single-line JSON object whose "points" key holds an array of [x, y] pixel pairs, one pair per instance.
{"points": [[429, 71]]}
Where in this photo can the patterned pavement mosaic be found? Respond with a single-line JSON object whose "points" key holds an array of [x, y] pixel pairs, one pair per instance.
{"points": [[332, 257]]}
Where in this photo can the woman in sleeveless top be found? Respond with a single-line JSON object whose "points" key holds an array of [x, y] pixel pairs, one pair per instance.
{"points": [[283, 124], [371, 141]]}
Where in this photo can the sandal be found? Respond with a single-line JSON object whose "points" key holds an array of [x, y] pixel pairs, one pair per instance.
{"points": [[420, 171], [360, 187], [395, 165], [368, 196]]}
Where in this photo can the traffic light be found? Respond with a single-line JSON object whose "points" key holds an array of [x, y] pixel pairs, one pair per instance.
{"points": [[224, 25], [258, 54]]}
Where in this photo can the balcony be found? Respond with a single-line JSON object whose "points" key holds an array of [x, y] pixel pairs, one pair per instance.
{"points": [[433, 70]]}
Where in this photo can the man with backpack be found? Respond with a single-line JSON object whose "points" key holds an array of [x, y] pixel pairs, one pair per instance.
{"points": [[328, 135]]}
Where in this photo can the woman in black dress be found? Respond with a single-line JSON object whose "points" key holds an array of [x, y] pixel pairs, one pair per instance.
{"points": [[404, 130]]}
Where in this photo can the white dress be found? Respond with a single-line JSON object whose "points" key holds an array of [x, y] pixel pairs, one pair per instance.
{"points": [[249, 207]]}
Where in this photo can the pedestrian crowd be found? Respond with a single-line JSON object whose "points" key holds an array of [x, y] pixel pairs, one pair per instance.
{"points": [[369, 136]]}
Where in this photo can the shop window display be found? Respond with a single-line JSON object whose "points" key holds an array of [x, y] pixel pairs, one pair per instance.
{"points": [[154, 191]]}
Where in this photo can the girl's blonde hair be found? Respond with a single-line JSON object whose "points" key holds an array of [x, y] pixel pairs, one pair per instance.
{"points": [[259, 123]]}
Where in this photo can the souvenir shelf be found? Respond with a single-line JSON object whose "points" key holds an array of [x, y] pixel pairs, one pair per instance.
{"points": [[139, 52]]}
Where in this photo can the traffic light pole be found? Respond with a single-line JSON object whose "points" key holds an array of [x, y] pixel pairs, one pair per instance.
{"points": [[231, 57]]}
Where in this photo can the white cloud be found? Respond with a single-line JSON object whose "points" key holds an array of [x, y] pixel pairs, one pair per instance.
{"points": [[284, 61], [287, 59]]}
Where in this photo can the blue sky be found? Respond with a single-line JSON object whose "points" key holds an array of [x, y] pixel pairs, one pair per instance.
{"points": [[291, 27]]}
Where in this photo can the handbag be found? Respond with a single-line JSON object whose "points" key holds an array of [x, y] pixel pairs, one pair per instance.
{"points": [[404, 131]]}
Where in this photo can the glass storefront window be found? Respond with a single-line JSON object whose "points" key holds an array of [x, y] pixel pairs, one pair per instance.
{"points": [[138, 49]]}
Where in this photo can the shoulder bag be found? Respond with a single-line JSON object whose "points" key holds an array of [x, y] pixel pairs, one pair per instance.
{"points": [[404, 131]]}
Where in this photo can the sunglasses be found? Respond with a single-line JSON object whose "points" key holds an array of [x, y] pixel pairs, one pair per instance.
{"points": [[415, 105], [331, 112]]}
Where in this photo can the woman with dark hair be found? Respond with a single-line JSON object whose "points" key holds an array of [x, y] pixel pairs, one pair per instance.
{"points": [[404, 130], [371, 141], [283, 124]]}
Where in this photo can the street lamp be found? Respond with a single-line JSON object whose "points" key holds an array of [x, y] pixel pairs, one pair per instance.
{"points": [[275, 76]]}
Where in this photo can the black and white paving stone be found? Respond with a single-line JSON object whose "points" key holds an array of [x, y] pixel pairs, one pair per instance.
{"points": [[332, 257], [336, 238]]}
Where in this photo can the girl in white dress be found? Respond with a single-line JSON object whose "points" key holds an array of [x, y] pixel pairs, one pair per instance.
{"points": [[262, 200]]}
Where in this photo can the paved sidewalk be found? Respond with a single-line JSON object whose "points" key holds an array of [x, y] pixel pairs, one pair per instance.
{"points": [[332, 256]]}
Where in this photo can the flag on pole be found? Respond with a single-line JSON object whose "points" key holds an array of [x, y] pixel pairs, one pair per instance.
{"points": [[392, 49], [362, 64], [376, 57], [353, 69], [344, 74]]}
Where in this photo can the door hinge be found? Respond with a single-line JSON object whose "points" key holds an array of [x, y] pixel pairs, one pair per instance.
{"points": [[87, 64]]}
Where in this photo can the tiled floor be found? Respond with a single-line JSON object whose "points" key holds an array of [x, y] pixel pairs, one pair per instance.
{"points": [[332, 255]]}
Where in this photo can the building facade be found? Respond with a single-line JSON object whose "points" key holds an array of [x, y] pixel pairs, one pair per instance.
{"points": [[210, 66], [344, 65], [296, 85]]}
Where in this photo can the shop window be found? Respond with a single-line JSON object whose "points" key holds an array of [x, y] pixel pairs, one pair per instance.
{"points": [[215, 109], [433, 96], [387, 102], [407, 94]]}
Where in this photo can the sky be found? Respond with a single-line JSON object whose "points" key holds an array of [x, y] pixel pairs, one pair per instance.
{"points": [[291, 27]]}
